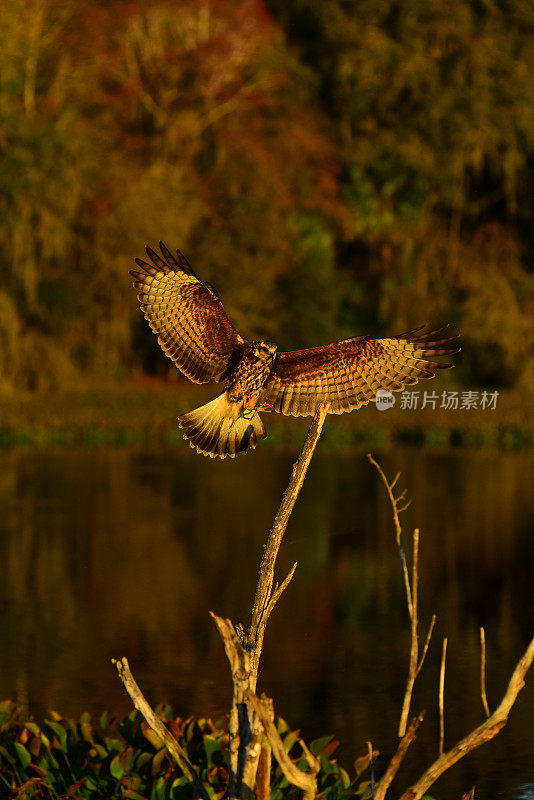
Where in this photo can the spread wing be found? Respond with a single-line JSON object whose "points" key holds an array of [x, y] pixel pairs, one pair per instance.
{"points": [[192, 326], [347, 374]]}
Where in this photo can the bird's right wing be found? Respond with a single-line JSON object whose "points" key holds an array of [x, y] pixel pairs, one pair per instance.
{"points": [[192, 326], [347, 374]]}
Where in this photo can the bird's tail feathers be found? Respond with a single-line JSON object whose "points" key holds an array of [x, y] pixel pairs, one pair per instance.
{"points": [[222, 428]]}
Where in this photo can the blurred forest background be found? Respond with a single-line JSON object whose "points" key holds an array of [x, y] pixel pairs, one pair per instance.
{"points": [[333, 166]]}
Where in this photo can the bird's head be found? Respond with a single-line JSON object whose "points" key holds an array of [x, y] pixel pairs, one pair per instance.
{"points": [[265, 351]]}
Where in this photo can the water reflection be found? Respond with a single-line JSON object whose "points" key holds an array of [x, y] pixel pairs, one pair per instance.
{"points": [[114, 552]]}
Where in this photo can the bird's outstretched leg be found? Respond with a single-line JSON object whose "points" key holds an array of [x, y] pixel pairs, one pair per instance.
{"points": [[250, 402], [250, 406]]}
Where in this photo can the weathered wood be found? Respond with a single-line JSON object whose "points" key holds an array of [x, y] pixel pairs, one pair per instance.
{"points": [[398, 757], [398, 505], [486, 731], [262, 601], [243, 649], [307, 781], [167, 738]]}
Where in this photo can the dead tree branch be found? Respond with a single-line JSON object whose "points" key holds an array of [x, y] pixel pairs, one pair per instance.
{"points": [[483, 671], [244, 730], [263, 601], [486, 731], [398, 505], [441, 695], [170, 742], [243, 649], [397, 509], [307, 781], [396, 761]]}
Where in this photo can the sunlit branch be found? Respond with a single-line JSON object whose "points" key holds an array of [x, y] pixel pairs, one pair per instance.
{"points": [[396, 761], [307, 781], [243, 649], [441, 696], [486, 731], [263, 604], [483, 671], [412, 594], [167, 738]]}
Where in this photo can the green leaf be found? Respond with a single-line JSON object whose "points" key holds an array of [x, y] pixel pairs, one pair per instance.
{"points": [[281, 725], [6, 755], [86, 730], [361, 764], [116, 767], [319, 744], [345, 779], [101, 750], [157, 761], [158, 790], [210, 791], [59, 730], [24, 757], [48, 761], [71, 726], [142, 759], [212, 746], [127, 758], [8, 712], [33, 728], [189, 730], [165, 710], [152, 737], [290, 740], [326, 765], [114, 745], [45, 740]]}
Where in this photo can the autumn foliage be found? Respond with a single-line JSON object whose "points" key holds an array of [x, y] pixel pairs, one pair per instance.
{"points": [[333, 167]]}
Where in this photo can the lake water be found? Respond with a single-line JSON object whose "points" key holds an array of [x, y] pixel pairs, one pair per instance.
{"points": [[112, 552]]}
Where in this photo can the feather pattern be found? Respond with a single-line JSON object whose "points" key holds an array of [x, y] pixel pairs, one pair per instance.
{"points": [[195, 332], [192, 326], [347, 374]]}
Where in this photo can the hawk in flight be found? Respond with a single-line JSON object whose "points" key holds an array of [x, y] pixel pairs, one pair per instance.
{"points": [[195, 332]]}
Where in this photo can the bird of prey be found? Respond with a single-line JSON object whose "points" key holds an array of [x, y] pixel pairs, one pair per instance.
{"points": [[195, 332]]}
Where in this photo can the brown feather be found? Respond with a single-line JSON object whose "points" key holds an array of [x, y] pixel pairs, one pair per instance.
{"points": [[192, 326], [348, 374]]}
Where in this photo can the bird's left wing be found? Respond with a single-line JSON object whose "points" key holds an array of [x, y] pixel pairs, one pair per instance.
{"points": [[347, 374], [192, 326]]}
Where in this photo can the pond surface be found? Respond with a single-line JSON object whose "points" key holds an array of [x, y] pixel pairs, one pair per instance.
{"points": [[115, 552]]}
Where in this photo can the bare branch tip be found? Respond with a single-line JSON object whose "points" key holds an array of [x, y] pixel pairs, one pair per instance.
{"points": [[395, 479]]}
